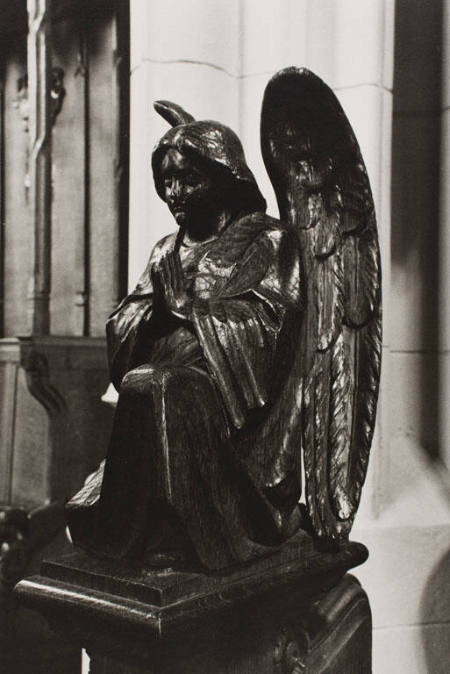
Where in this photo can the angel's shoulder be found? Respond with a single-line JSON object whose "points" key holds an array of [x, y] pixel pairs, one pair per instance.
{"points": [[163, 246], [268, 228], [261, 223]]}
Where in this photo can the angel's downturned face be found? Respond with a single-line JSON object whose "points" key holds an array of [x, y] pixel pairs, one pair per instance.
{"points": [[187, 189]]}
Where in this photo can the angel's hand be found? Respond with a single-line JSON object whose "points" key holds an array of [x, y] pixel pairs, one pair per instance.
{"points": [[170, 285]]}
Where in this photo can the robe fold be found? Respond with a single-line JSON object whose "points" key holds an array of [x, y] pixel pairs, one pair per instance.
{"points": [[197, 426]]}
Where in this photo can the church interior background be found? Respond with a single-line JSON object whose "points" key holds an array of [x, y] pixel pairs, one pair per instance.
{"points": [[79, 216]]}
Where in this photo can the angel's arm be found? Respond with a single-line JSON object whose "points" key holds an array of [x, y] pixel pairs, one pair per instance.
{"points": [[134, 314], [239, 330]]}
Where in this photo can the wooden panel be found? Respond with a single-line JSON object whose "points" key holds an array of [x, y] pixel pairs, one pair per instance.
{"points": [[8, 374], [90, 172], [31, 463], [61, 426], [104, 227], [89, 176], [69, 198], [18, 232]]}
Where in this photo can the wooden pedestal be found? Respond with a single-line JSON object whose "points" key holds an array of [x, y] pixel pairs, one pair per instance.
{"points": [[292, 613]]}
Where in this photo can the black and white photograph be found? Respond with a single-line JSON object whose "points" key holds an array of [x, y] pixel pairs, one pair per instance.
{"points": [[224, 337]]}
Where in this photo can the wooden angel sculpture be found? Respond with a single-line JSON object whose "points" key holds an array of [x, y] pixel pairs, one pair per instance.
{"points": [[248, 343]]}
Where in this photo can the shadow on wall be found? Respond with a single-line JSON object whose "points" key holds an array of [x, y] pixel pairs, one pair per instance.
{"points": [[415, 201], [434, 608]]}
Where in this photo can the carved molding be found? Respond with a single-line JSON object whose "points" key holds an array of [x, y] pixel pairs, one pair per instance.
{"points": [[289, 656], [21, 102], [38, 381], [57, 92], [57, 95]]}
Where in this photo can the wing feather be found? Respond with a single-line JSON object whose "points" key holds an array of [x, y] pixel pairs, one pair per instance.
{"points": [[329, 299], [340, 428], [362, 280], [321, 415], [368, 358]]}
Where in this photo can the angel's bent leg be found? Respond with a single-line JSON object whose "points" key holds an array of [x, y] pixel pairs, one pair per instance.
{"points": [[165, 448]]}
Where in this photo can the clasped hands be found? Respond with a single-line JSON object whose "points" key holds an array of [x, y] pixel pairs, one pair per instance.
{"points": [[169, 284]]}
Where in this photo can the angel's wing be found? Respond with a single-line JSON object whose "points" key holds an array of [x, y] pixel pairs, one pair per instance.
{"points": [[323, 191]]}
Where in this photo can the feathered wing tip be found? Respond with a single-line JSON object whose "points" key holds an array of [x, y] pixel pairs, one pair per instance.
{"points": [[172, 113]]}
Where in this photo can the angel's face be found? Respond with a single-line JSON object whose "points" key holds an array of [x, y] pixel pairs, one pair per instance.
{"points": [[188, 190]]}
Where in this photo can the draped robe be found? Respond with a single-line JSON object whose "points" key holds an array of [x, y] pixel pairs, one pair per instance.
{"points": [[201, 424]]}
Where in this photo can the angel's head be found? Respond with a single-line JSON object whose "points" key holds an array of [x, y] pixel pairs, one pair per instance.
{"points": [[199, 169]]}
